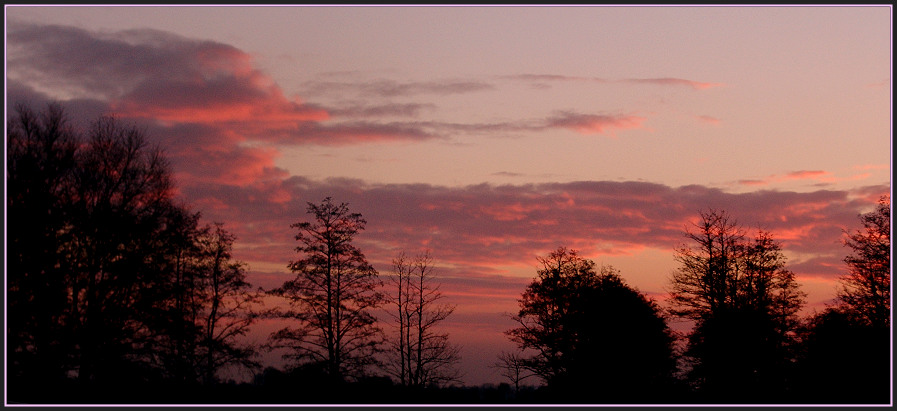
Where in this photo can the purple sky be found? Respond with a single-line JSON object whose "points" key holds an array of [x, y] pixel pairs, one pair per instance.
{"points": [[492, 135]]}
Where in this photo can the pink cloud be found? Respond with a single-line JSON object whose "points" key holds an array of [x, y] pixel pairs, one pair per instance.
{"points": [[753, 182], [594, 124], [663, 81], [550, 77], [708, 119], [881, 84], [390, 88], [820, 175], [806, 174], [873, 167], [668, 81], [175, 82], [510, 212]]}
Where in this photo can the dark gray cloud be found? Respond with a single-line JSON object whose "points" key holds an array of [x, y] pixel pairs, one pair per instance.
{"points": [[108, 64], [353, 110], [544, 80], [392, 88]]}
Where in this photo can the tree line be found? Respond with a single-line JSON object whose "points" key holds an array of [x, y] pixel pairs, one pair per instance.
{"points": [[589, 337], [116, 292]]}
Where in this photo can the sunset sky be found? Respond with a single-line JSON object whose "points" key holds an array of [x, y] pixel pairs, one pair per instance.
{"points": [[492, 135]]}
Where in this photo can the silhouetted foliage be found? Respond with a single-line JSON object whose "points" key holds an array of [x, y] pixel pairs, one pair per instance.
{"points": [[40, 172], [744, 304], [86, 274], [419, 355], [596, 340], [866, 290], [98, 263], [844, 360], [846, 356], [331, 297]]}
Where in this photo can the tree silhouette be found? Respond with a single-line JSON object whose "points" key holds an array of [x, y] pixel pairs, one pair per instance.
{"points": [[40, 169], [595, 338], [419, 356], [104, 270], [228, 314], [513, 367], [843, 361], [212, 307], [744, 304], [846, 353], [85, 270], [331, 297], [123, 201], [866, 290]]}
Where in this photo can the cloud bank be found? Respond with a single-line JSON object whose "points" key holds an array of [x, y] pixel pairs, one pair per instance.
{"points": [[477, 228]]}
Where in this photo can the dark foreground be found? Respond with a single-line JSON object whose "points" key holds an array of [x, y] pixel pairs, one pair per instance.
{"points": [[283, 390]]}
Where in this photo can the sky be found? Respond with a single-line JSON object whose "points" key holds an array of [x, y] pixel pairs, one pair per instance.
{"points": [[492, 135]]}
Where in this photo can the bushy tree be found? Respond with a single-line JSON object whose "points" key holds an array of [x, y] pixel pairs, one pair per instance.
{"points": [[332, 296], [843, 360], [123, 202], [846, 353], [100, 257], [419, 355], [866, 290], [40, 170], [744, 304], [594, 338], [87, 214]]}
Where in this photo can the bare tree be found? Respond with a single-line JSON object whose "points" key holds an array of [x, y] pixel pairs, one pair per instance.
{"points": [[419, 354], [513, 367], [228, 306], [332, 296], [211, 308], [865, 292]]}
